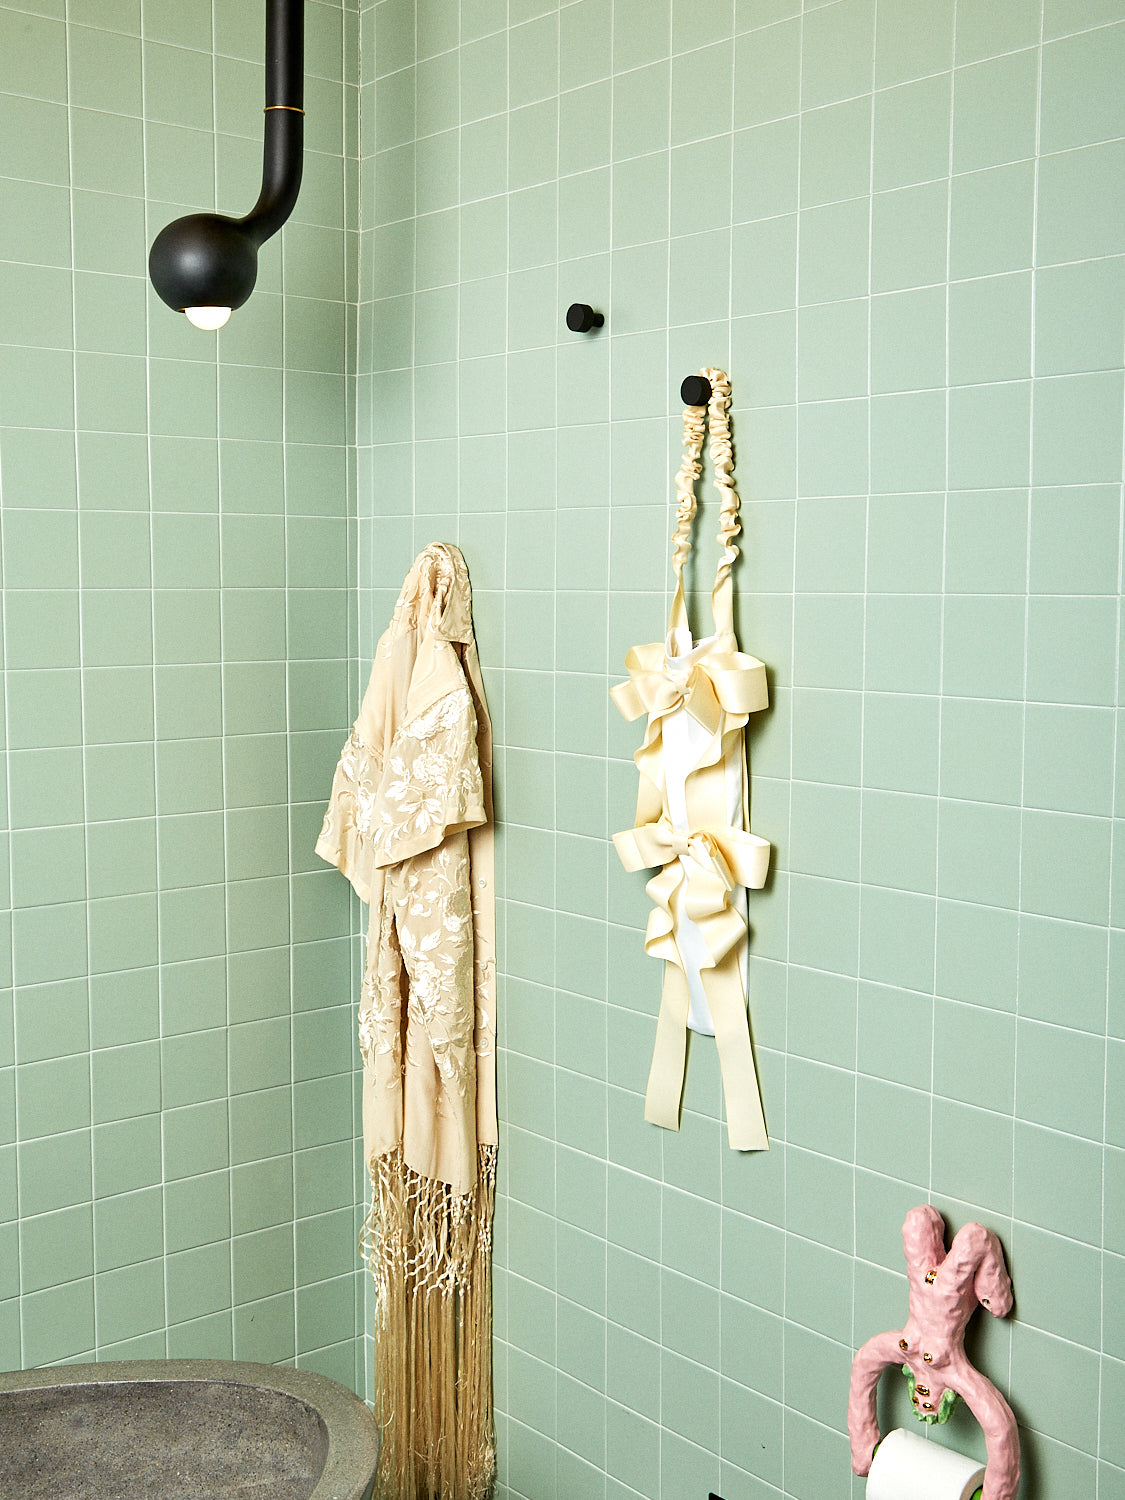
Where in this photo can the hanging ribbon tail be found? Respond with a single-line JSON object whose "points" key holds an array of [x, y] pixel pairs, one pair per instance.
{"points": [[746, 1124], [669, 1053]]}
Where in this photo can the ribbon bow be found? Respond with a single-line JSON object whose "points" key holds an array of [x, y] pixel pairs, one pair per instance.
{"points": [[719, 682], [704, 867]]}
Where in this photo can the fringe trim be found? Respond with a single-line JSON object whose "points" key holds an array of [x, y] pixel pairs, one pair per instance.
{"points": [[430, 1255]]}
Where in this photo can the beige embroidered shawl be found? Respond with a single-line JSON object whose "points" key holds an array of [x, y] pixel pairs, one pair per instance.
{"points": [[409, 824], [692, 807]]}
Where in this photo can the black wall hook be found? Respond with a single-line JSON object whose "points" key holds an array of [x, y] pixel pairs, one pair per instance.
{"points": [[695, 391], [581, 318]]}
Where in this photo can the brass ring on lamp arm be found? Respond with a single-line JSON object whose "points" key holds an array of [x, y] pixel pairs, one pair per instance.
{"points": [[208, 263]]}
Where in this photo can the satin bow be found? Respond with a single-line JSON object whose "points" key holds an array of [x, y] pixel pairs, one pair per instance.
{"points": [[706, 865], [719, 682]]}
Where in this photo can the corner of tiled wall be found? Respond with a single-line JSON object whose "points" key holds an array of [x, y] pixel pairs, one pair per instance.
{"points": [[177, 1122]]}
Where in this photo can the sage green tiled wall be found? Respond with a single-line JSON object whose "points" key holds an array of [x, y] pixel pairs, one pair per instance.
{"points": [[900, 226], [176, 1067]]}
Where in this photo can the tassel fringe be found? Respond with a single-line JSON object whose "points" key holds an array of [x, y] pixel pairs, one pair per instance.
{"points": [[430, 1254]]}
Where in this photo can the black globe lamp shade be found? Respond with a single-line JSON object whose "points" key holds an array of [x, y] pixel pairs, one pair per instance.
{"points": [[203, 260]]}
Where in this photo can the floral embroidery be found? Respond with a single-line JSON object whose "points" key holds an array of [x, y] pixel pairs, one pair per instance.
{"points": [[425, 925], [435, 929], [434, 776], [351, 809], [485, 980]]}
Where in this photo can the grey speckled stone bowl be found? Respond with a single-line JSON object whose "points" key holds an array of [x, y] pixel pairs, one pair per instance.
{"points": [[183, 1429]]}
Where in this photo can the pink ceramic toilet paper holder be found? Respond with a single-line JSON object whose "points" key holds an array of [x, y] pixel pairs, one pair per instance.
{"points": [[945, 1289]]}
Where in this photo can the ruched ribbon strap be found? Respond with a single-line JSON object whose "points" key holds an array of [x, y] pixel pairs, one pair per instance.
{"points": [[716, 415]]}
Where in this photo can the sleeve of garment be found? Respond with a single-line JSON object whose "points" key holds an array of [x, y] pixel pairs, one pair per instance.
{"points": [[431, 784], [345, 840]]}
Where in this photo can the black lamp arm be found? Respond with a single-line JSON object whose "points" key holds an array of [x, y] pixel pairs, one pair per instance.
{"points": [[284, 119]]}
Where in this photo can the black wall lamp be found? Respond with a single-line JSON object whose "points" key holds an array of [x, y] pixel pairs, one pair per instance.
{"points": [[205, 265]]}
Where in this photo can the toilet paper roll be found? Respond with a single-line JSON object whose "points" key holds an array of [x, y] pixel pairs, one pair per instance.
{"points": [[908, 1467]]}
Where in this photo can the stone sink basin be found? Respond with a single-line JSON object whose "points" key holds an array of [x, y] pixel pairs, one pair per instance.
{"points": [[183, 1430]]}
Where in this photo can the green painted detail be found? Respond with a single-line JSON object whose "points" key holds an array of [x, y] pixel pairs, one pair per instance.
{"points": [[945, 1406]]}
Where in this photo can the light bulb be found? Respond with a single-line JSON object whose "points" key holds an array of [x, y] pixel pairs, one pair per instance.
{"points": [[207, 317]]}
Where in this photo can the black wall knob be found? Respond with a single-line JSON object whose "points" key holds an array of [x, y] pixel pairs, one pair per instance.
{"points": [[581, 318], [695, 391]]}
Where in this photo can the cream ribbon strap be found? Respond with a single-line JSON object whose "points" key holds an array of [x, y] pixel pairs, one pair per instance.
{"points": [[696, 420], [692, 807]]}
